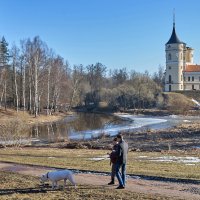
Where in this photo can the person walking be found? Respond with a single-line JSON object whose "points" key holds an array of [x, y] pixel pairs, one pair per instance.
{"points": [[122, 152], [113, 159]]}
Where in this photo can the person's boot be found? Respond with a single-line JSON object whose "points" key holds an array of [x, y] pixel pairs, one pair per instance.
{"points": [[111, 182]]}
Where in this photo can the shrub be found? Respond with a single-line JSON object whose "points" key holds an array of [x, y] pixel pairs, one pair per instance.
{"points": [[13, 133]]}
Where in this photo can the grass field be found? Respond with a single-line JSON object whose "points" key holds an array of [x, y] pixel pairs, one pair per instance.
{"points": [[139, 163], [17, 186]]}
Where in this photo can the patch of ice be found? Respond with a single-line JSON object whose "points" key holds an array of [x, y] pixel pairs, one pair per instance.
{"points": [[196, 102], [105, 157], [186, 160], [173, 116], [189, 164], [186, 120], [142, 156]]}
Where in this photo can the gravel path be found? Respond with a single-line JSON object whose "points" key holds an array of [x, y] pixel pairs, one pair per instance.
{"points": [[168, 189]]}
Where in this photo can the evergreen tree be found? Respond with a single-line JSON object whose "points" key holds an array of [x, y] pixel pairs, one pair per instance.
{"points": [[4, 57], [4, 54]]}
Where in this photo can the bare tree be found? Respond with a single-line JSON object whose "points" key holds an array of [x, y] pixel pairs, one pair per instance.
{"points": [[77, 77], [35, 57], [95, 76], [15, 56], [48, 85], [57, 75], [23, 74]]}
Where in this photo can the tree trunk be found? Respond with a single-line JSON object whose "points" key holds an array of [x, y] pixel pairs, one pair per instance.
{"points": [[48, 89], [2, 97], [30, 90], [15, 84], [36, 91], [5, 94], [24, 88]]}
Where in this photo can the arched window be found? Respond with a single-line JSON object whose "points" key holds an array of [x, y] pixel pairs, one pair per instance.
{"points": [[169, 56], [170, 78], [192, 87]]}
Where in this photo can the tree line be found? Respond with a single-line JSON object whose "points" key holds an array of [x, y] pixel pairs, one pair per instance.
{"points": [[35, 79]]}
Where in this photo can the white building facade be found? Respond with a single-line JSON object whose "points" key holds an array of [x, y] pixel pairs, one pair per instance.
{"points": [[181, 73]]}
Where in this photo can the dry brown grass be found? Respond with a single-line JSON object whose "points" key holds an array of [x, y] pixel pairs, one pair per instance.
{"points": [[11, 114], [82, 159], [178, 103], [17, 186]]}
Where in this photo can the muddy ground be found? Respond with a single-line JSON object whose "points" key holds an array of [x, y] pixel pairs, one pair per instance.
{"points": [[183, 137]]}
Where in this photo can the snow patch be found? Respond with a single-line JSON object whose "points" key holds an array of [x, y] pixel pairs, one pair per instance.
{"points": [[187, 160], [105, 157], [196, 102]]}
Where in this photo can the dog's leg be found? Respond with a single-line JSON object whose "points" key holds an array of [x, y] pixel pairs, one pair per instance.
{"points": [[64, 185], [57, 186], [52, 185]]}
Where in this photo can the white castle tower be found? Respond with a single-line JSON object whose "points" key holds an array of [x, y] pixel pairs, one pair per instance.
{"points": [[181, 72], [175, 62]]}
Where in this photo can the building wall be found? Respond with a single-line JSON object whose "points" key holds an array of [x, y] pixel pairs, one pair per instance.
{"points": [[189, 55], [191, 80]]}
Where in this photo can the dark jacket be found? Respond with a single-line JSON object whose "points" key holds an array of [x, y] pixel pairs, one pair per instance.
{"points": [[113, 154], [122, 152]]}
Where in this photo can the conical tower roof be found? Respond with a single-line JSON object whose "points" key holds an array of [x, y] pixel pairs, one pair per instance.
{"points": [[174, 38]]}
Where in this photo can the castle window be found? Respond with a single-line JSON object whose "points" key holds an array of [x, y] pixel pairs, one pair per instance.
{"points": [[192, 78], [170, 68], [170, 88], [184, 78], [169, 56], [192, 87], [188, 78], [170, 78]]}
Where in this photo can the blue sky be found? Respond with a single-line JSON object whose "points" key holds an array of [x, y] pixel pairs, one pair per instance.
{"points": [[117, 33]]}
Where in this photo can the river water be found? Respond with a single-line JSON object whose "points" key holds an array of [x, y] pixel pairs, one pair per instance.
{"points": [[86, 126]]}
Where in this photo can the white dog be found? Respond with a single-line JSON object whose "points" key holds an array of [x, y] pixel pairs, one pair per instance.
{"points": [[55, 176]]}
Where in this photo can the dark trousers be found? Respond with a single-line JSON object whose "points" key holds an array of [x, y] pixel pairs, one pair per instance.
{"points": [[113, 171]]}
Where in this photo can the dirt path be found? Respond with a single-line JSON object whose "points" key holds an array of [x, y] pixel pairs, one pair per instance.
{"points": [[168, 189]]}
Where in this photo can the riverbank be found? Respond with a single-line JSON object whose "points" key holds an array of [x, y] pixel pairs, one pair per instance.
{"points": [[183, 137], [28, 119]]}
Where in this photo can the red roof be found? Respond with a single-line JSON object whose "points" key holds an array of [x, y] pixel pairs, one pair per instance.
{"points": [[192, 68]]}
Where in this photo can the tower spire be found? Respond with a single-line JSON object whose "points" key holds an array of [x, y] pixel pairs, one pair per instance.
{"points": [[174, 39], [174, 18]]}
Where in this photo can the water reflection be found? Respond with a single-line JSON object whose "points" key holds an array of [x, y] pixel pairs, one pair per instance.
{"points": [[79, 122], [82, 126]]}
